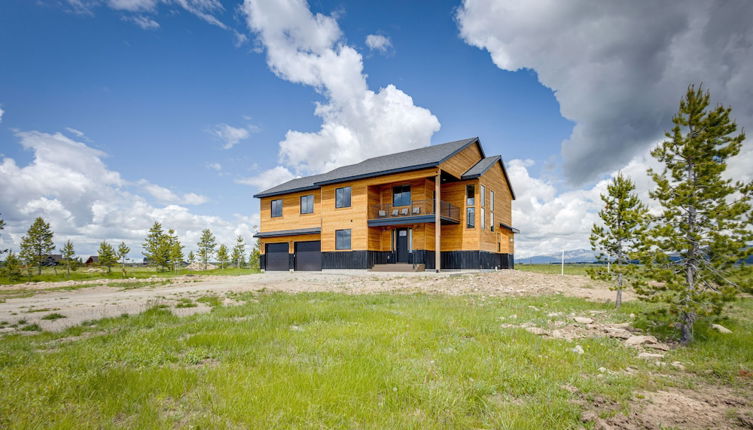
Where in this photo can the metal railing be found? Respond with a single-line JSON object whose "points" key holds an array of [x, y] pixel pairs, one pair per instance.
{"points": [[415, 208]]}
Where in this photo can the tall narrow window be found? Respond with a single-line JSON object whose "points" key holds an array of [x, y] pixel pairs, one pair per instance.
{"points": [[276, 208], [470, 217], [470, 195], [342, 239], [342, 197], [307, 204], [483, 218], [491, 210], [491, 221], [401, 195], [483, 196]]}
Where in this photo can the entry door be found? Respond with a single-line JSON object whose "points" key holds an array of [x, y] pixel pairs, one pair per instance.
{"points": [[402, 246]]}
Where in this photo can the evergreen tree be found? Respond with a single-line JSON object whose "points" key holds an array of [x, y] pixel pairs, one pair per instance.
{"points": [[702, 233], [175, 250], [12, 268], [123, 251], [222, 256], [2, 227], [254, 259], [206, 246], [37, 244], [156, 247], [106, 254], [618, 241], [239, 252], [191, 257], [68, 253]]}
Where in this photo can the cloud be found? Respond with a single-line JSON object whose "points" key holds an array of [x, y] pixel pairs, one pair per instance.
{"points": [[78, 133], [619, 69], [269, 178], [133, 5], [142, 21], [2, 112], [215, 166], [165, 195], [230, 135], [307, 48], [68, 183], [377, 42]]}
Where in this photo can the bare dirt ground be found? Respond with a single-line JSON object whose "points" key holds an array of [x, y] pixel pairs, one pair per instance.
{"points": [[80, 301]]}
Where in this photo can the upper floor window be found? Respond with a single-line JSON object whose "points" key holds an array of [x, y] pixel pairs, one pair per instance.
{"points": [[276, 207], [401, 195], [342, 239], [491, 200], [491, 221], [307, 204], [483, 219], [342, 197], [483, 196], [470, 195]]}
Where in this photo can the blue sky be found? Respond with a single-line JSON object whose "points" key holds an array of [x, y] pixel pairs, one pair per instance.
{"points": [[154, 98]]}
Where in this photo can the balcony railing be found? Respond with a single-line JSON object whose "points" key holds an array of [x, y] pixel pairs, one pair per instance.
{"points": [[415, 209]]}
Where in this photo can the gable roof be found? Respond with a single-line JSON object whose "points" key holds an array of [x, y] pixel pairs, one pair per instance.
{"points": [[415, 159], [485, 164], [421, 158]]}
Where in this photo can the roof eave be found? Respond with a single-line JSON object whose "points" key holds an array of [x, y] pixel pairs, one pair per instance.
{"points": [[279, 193]]}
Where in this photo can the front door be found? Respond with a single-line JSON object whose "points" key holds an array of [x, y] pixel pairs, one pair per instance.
{"points": [[402, 246]]}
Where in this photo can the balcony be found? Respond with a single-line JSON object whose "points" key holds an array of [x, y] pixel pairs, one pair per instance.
{"points": [[419, 211]]}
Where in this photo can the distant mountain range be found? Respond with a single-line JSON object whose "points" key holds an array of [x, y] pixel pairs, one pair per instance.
{"points": [[571, 256]]}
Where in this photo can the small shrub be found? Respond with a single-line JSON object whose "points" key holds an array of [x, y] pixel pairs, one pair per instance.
{"points": [[53, 316], [32, 327]]}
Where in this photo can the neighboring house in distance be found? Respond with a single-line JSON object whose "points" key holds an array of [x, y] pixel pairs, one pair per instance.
{"points": [[93, 260], [52, 260], [384, 210]]}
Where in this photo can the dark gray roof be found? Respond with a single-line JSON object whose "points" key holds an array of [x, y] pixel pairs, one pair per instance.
{"points": [[429, 156], [481, 167], [314, 230]]}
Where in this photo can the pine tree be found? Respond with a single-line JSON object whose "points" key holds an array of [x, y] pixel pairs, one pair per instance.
{"points": [[12, 268], [2, 227], [191, 257], [206, 246], [123, 251], [37, 243], [618, 241], [254, 260], [222, 256], [175, 250], [702, 233], [106, 255], [239, 252], [68, 253], [156, 247]]}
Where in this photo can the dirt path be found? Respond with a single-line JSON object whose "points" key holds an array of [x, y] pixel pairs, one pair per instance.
{"points": [[95, 299]]}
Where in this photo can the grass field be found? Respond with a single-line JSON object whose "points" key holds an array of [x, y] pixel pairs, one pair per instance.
{"points": [[324, 360], [570, 269], [82, 274]]}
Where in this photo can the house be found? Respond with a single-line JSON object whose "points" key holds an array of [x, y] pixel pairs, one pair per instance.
{"points": [[92, 260], [395, 209], [52, 260]]}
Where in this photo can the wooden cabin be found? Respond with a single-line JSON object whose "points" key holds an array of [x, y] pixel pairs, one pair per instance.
{"points": [[445, 206]]}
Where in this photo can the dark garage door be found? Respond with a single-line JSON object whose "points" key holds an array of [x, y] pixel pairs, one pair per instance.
{"points": [[277, 256], [308, 255]]}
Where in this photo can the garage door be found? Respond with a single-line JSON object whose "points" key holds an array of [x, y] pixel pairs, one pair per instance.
{"points": [[308, 255], [277, 256]]}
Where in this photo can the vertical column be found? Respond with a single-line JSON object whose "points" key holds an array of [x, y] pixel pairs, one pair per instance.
{"points": [[437, 220]]}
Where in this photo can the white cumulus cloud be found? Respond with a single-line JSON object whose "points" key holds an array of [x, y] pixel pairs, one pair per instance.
{"points": [[619, 69], [268, 178], [308, 48], [377, 42], [229, 134], [143, 21]]}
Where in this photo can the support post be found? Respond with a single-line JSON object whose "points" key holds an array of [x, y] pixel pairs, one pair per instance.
{"points": [[437, 220]]}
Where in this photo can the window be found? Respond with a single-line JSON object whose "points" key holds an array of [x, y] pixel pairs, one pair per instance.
{"points": [[307, 204], [483, 219], [342, 198], [342, 239], [491, 221], [276, 207], [470, 195], [401, 195], [491, 200], [483, 197], [470, 217]]}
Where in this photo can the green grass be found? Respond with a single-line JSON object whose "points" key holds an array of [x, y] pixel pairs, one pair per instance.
{"points": [[570, 269], [49, 275], [53, 316], [335, 361]]}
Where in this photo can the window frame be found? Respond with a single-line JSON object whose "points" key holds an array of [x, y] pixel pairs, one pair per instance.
{"points": [[470, 201], [300, 204], [272, 208], [470, 217], [491, 221], [491, 200], [482, 221], [483, 196], [350, 195], [338, 247], [401, 194]]}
